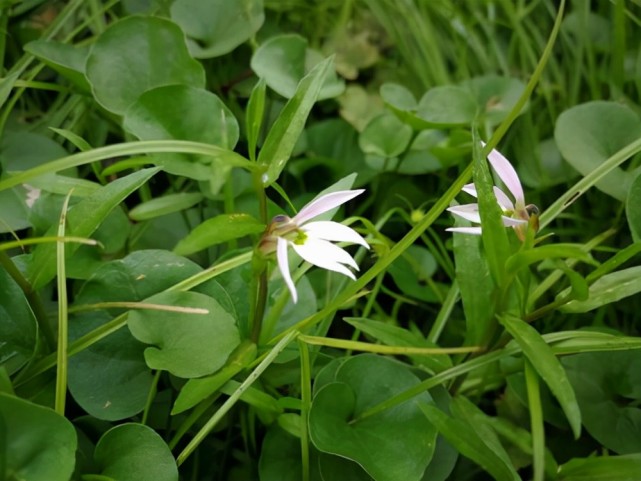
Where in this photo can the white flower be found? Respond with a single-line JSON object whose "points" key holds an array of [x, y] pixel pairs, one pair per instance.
{"points": [[515, 213], [313, 240]]}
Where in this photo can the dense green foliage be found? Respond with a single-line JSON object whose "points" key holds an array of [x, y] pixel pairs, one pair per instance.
{"points": [[151, 152]]}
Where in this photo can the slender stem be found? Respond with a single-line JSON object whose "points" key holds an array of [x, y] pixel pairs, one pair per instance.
{"points": [[382, 349], [231, 401], [306, 403], [260, 268], [153, 389], [536, 422]]}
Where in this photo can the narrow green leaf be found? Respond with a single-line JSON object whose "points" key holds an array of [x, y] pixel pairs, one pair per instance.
{"points": [[547, 366], [608, 289], [467, 441], [83, 219], [602, 468], [222, 228], [552, 251], [254, 116], [290, 123], [6, 84], [74, 138], [495, 241], [165, 205]]}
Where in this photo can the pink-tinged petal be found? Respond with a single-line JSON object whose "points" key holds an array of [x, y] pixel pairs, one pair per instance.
{"points": [[503, 200], [465, 230], [511, 222], [467, 211], [326, 256], [507, 174], [283, 266], [334, 231], [324, 203], [470, 189]]}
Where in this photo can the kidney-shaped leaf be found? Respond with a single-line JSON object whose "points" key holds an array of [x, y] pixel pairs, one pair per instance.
{"points": [[397, 443], [137, 54], [589, 134], [37, 443], [216, 27], [608, 391], [186, 344], [133, 452], [447, 105], [184, 113], [67, 60], [284, 60], [385, 136]]}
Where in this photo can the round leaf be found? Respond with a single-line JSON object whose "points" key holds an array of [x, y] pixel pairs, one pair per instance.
{"points": [[133, 452], [184, 113], [217, 27], [412, 271], [156, 54], [186, 344], [397, 443], [447, 105], [589, 134], [285, 59], [37, 443], [495, 95], [608, 391], [385, 136]]}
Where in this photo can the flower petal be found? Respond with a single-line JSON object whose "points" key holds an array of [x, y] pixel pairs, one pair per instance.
{"points": [[503, 200], [466, 211], [326, 255], [333, 231], [507, 174], [465, 230], [511, 222], [470, 189], [324, 203], [283, 266]]}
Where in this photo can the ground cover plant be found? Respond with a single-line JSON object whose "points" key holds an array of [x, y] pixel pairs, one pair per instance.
{"points": [[333, 240]]}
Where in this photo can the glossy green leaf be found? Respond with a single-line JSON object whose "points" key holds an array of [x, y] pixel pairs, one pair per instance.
{"points": [[608, 289], [608, 391], [38, 444], [219, 229], [17, 324], [185, 344], [547, 366], [196, 390], [134, 452], [280, 458], [287, 128], [397, 443], [397, 336], [385, 136], [465, 438], [67, 60], [633, 208], [527, 257], [446, 106], [182, 112], [217, 27], [156, 55], [164, 205], [589, 134], [398, 97], [412, 272], [83, 219], [541, 164], [602, 468], [283, 61]]}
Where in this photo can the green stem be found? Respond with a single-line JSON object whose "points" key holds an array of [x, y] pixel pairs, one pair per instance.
{"points": [[536, 422], [306, 403], [153, 389]]}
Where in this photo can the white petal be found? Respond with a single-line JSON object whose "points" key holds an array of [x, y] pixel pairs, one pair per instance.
{"points": [[467, 211], [324, 203], [283, 266], [507, 174], [503, 200], [334, 231], [470, 189], [326, 255], [465, 230], [511, 222]]}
